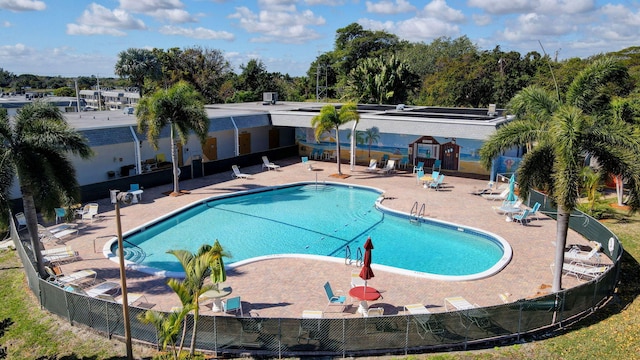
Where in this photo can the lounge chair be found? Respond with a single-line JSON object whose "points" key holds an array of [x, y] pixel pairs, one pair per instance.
{"points": [[459, 303], [232, 304], [75, 277], [58, 232], [507, 207], [425, 322], [437, 183], [356, 280], [471, 312], [583, 271], [373, 166], [61, 213], [334, 300], [404, 162], [21, 221], [306, 163], [57, 250], [237, 174], [418, 167], [60, 257], [371, 312], [419, 175], [88, 212], [437, 165], [103, 288], [132, 298], [389, 167], [501, 196], [535, 211], [577, 255], [269, 165], [523, 217]]}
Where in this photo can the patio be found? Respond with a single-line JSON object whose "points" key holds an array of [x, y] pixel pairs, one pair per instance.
{"points": [[285, 287]]}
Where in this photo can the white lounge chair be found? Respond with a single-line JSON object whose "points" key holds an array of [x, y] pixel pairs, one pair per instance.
{"points": [[75, 277], [373, 166], [60, 257], [501, 196], [575, 254], [102, 289], [472, 312], [58, 232], [57, 250], [237, 174], [458, 302], [268, 164], [88, 212], [584, 271], [389, 167]]}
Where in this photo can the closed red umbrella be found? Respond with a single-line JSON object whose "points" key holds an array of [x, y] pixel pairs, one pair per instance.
{"points": [[367, 273]]}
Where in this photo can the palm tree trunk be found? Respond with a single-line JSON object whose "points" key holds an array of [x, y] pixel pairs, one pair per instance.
{"points": [[338, 149], [561, 241], [174, 161], [195, 327], [32, 226]]}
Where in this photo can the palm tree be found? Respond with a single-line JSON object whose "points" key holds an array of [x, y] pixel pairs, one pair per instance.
{"points": [[35, 148], [558, 135], [196, 268], [181, 108], [138, 64], [167, 326], [371, 135], [331, 119]]}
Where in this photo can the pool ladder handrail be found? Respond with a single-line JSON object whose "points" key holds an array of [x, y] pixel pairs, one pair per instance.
{"points": [[417, 213], [347, 256]]}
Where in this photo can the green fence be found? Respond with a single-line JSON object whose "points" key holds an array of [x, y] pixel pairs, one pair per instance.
{"points": [[397, 334]]}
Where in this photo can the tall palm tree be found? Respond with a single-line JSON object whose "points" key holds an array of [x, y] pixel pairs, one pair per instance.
{"points": [[181, 108], [34, 149], [331, 119], [558, 135]]}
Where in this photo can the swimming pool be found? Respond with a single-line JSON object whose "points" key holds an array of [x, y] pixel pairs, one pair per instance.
{"points": [[314, 220]]}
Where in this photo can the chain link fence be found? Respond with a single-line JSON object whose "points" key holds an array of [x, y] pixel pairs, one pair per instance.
{"points": [[397, 334]]}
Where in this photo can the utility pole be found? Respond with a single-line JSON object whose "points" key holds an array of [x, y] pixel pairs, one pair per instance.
{"points": [[321, 90], [99, 94]]}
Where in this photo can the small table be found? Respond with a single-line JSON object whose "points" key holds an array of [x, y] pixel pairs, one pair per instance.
{"points": [[364, 294], [426, 179], [216, 295], [137, 195]]}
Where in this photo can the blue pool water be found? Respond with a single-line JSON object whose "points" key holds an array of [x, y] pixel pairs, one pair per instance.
{"points": [[311, 219]]}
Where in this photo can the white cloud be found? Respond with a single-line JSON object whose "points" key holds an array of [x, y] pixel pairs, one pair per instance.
{"points": [[197, 33], [388, 26], [23, 5], [150, 6], [17, 50], [174, 16], [324, 2], [534, 26], [278, 5], [6, 24], [481, 20], [504, 6], [422, 29], [389, 7], [564, 6], [98, 20], [438, 9], [278, 25]]}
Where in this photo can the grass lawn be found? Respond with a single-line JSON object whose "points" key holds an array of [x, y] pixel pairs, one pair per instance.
{"points": [[27, 332]]}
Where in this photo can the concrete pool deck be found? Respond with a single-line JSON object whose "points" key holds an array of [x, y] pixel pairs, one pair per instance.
{"points": [[284, 287]]}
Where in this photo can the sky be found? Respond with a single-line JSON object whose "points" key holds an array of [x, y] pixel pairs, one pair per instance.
{"points": [[71, 38]]}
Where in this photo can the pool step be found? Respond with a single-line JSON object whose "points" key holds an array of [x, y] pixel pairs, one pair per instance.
{"points": [[134, 254]]}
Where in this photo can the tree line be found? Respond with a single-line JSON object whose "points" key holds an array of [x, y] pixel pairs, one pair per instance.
{"points": [[364, 66]]}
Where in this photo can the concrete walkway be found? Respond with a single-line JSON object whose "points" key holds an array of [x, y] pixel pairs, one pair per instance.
{"points": [[284, 287]]}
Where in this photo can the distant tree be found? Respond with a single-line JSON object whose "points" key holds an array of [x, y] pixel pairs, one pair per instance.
{"points": [[205, 69], [331, 119], [381, 81], [64, 91], [36, 144], [254, 78], [137, 65], [179, 107]]}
